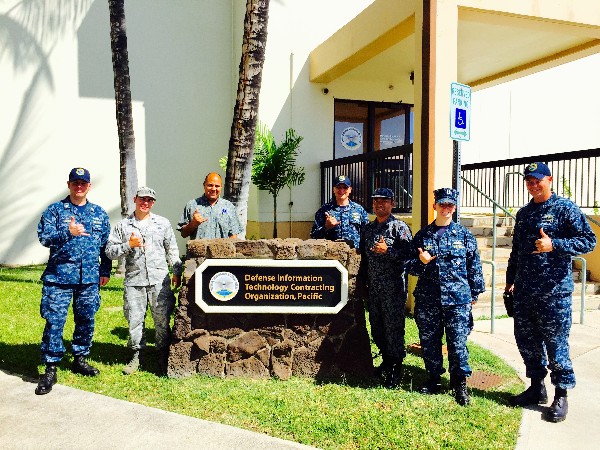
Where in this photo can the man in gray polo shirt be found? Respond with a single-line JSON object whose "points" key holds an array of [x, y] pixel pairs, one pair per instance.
{"points": [[209, 216]]}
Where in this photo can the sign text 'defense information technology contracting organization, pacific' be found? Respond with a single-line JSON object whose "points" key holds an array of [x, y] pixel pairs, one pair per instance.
{"points": [[271, 286]]}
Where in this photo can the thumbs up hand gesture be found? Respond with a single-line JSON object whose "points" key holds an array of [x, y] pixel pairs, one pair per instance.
{"points": [[135, 241], [331, 221], [544, 243], [425, 256], [380, 246], [77, 229]]}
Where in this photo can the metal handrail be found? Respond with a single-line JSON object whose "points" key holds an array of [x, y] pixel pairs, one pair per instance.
{"points": [[506, 183], [583, 281], [493, 299], [488, 197]]}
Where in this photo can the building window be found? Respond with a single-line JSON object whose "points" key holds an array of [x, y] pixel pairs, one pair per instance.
{"points": [[362, 127]]}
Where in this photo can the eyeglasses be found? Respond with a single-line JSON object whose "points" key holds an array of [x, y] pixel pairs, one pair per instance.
{"points": [[342, 187], [146, 200]]}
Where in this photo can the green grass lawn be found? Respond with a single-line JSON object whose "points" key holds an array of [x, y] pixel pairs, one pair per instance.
{"points": [[345, 414]]}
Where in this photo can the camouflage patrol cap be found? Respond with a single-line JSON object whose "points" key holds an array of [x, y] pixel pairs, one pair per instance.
{"points": [[446, 195], [145, 191]]}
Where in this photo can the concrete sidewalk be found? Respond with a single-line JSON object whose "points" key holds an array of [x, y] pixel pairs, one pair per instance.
{"points": [[581, 429], [68, 418]]}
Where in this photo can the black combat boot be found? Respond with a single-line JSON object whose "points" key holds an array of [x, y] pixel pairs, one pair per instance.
{"points": [[432, 386], [459, 389], [81, 366], [394, 375], [534, 395], [383, 368], [559, 408], [47, 380]]}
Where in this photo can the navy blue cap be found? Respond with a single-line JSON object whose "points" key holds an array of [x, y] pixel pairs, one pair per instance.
{"points": [[79, 173], [538, 170], [342, 179], [383, 193], [446, 195]]}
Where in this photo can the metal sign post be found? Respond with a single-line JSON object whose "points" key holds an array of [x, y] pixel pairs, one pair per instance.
{"points": [[460, 130], [456, 176]]}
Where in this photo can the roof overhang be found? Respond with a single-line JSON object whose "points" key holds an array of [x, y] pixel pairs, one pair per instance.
{"points": [[498, 40]]}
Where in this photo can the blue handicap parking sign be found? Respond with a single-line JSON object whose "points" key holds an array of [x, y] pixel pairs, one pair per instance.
{"points": [[460, 118]]}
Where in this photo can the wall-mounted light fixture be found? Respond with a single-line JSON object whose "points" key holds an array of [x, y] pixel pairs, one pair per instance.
{"points": [[412, 77], [325, 91]]}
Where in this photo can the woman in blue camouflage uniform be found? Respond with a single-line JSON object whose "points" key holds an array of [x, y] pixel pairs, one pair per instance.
{"points": [[450, 279]]}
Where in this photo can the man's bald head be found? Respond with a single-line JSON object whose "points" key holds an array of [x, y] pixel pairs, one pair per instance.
{"points": [[213, 176], [212, 187]]}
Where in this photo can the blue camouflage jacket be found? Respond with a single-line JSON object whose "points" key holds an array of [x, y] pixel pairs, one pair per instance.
{"points": [[549, 272], [455, 275], [352, 219], [75, 259], [389, 267]]}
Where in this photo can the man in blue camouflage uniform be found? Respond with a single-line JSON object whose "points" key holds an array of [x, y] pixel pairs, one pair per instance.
{"points": [[340, 218], [147, 242], [76, 232], [385, 245], [209, 216], [450, 279], [549, 230]]}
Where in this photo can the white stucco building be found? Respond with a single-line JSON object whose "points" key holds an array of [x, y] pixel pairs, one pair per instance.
{"points": [[58, 109]]}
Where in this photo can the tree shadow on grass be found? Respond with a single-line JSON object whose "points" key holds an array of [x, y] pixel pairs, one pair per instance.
{"points": [[499, 397], [412, 378], [123, 334], [22, 359]]}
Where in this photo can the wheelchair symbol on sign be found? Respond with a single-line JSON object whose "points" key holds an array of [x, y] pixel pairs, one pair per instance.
{"points": [[460, 119]]}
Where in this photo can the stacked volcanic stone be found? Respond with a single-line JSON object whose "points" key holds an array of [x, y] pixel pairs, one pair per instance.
{"points": [[269, 345]]}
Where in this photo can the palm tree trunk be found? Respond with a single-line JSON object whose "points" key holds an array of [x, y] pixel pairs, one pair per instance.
{"points": [[245, 113], [120, 59], [274, 216]]}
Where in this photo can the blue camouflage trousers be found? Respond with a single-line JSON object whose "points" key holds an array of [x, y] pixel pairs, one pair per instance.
{"points": [[432, 319], [542, 326], [386, 317], [54, 308], [161, 299]]}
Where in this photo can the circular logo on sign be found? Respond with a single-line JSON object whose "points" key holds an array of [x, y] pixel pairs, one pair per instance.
{"points": [[351, 139], [223, 286]]}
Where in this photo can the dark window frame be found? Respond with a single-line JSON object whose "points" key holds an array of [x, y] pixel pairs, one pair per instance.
{"points": [[368, 144]]}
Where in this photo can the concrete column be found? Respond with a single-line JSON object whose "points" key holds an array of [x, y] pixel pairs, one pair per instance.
{"points": [[436, 45]]}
